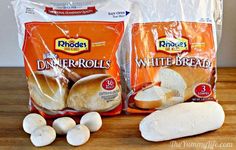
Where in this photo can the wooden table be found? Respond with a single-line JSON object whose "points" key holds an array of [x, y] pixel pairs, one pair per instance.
{"points": [[119, 132]]}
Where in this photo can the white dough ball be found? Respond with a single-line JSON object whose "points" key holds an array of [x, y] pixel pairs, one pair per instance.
{"points": [[32, 122], [77, 136], [63, 125], [92, 120], [43, 136]]}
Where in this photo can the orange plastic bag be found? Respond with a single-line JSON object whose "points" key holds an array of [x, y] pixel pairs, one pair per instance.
{"points": [[70, 53], [170, 53]]}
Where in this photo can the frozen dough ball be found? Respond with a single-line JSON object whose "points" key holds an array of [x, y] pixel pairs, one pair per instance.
{"points": [[92, 120], [77, 136], [43, 136], [63, 125], [32, 122]]}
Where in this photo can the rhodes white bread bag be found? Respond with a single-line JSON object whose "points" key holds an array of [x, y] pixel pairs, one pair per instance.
{"points": [[169, 53]]}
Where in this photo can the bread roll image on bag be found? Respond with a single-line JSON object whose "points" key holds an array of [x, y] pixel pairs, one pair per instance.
{"points": [[165, 43], [182, 120], [99, 92], [74, 74], [48, 89]]}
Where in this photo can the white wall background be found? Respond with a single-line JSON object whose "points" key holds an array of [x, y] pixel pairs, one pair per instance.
{"points": [[10, 54]]}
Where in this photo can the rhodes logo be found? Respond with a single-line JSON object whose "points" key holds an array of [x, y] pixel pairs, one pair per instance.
{"points": [[72, 45], [173, 45]]}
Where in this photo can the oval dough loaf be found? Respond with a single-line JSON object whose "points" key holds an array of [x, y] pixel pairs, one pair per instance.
{"points": [[181, 120]]}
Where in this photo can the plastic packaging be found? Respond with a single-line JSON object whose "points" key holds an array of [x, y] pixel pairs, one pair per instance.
{"points": [[70, 53], [74, 50], [171, 45]]}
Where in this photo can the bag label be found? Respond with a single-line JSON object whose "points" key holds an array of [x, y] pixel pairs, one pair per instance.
{"points": [[203, 90], [70, 12], [72, 45], [173, 45]]}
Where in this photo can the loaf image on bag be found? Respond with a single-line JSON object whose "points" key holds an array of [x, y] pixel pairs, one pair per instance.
{"points": [[156, 97], [99, 92], [48, 89], [153, 97], [183, 79], [176, 86]]}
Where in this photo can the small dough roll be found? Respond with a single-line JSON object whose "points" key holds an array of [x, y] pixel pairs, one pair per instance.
{"points": [[98, 92], [92, 120], [63, 125], [43, 136], [32, 122], [77, 136], [48, 89], [181, 120]]}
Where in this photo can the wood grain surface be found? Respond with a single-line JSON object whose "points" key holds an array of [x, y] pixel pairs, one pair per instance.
{"points": [[119, 132]]}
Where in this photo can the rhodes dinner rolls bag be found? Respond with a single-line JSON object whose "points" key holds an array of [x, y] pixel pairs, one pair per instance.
{"points": [[169, 53], [70, 53]]}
